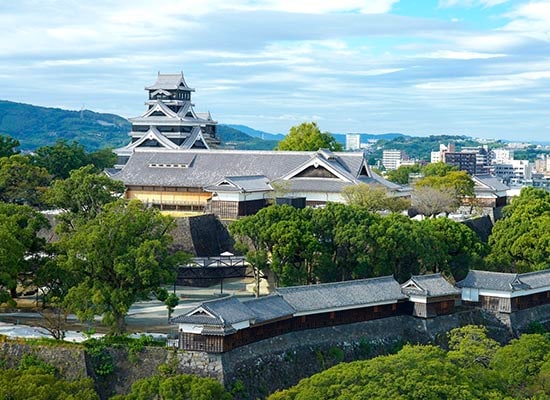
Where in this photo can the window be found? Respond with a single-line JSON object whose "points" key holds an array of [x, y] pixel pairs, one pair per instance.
{"points": [[157, 165], [470, 294]]}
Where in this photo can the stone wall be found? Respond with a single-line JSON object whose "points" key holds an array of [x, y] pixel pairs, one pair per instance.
{"points": [[202, 236], [482, 226], [70, 361], [261, 368], [280, 362]]}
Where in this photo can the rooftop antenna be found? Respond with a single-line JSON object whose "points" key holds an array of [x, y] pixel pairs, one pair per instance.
{"points": [[82, 112]]}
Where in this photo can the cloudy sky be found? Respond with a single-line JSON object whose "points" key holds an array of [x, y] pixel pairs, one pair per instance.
{"points": [[422, 67]]}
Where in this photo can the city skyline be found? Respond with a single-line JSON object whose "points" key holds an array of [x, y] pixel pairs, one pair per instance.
{"points": [[471, 67]]}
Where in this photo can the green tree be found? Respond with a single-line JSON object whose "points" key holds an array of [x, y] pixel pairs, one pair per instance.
{"points": [[345, 242], [21, 182], [8, 146], [308, 137], [459, 181], [82, 196], [374, 198], [61, 158], [402, 248], [119, 257], [103, 158], [180, 386], [470, 346], [520, 362], [284, 233], [442, 193], [38, 380], [519, 241], [19, 227], [438, 169], [401, 174], [416, 372], [459, 246]]}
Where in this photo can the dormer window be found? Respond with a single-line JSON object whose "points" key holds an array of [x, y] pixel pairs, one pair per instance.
{"points": [[159, 165]]}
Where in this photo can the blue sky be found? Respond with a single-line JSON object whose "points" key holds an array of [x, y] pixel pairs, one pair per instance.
{"points": [[422, 67]]}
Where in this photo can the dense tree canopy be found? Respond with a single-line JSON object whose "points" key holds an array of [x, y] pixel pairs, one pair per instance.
{"points": [[35, 379], [8, 146], [82, 195], [184, 387], [19, 227], [459, 246], [308, 137], [21, 182], [401, 174], [63, 157], [118, 257], [403, 248], [341, 242], [374, 198], [438, 169], [475, 367], [520, 241]]}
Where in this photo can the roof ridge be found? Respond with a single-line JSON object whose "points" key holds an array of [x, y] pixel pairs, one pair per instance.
{"points": [[325, 284]]}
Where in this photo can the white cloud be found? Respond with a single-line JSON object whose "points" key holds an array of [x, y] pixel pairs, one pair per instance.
{"points": [[325, 6], [461, 55], [531, 19], [503, 82], [470, 3], [275, 63], [490, 42]]}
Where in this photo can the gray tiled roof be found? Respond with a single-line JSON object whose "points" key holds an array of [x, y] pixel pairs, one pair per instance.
{"points": [[431, 285], [330, 185], [257, 183], [197, 319], [270, 308], [536, 279], [489, 182], [348, 294], [492, 280], [210, 166], [167, 81], [229, 309], [226, 311]]}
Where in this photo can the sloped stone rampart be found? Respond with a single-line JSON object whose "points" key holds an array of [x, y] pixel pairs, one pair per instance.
{"points": [[279, 362]]}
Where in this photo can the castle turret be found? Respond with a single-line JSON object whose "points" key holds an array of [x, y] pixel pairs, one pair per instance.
{"points": [[170, 121]]}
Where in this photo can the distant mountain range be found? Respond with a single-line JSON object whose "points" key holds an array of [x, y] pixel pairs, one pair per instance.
{"points": [[365, 137], [36, 126], [258, 134]]}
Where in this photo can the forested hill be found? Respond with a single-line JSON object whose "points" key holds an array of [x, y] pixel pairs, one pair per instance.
{"points": [[421, 147], [36, 126]]}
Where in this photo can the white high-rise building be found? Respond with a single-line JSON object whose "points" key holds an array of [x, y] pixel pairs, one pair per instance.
{"points": [[392, 158], [513, 169], [353, 141], [502, 155]]}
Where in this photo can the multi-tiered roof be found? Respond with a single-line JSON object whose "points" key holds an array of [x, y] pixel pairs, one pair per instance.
{"points": [[170, 122]]}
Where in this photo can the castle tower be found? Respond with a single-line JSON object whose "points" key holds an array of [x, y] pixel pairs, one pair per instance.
{"points": [[170, 121]]}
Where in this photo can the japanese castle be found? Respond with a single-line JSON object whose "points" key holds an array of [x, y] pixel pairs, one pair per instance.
{"points": [[170, 122], [172, 163]]}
